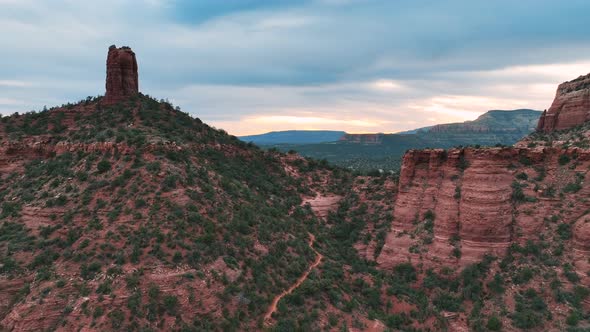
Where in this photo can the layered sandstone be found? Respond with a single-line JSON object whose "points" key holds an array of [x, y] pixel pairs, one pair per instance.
{"points": [[571, 106], [122, 78], [471, 194]]}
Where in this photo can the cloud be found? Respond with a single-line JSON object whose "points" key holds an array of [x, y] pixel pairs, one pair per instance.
{"points": [[393, 64], [14, 83]]}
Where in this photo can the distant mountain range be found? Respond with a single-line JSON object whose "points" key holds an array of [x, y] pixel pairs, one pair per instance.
{"points": [[383, 151], [294, 137]]}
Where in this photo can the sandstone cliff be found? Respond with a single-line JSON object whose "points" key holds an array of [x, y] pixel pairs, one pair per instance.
{"points": [[122, 77], [483, 200], [571, 106]]}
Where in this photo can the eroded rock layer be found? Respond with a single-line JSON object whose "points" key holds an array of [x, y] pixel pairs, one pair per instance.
{"points": [[463, 203], [122, 77], [571, 106]]}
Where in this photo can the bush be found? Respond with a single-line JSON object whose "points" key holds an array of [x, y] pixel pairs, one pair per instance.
{"points": [[170, 304], [154, 167], [497, 284], [517, 193], [494, 323], [405, 271], [530, 309], [429, 215], [463, 163], [10, 209], [139, 203], [98, 311], [564, 231], [103, 166], [573, 318], [572, 187], [457, 194], [446, 301], [523, 276], [396, 321], [90, 271], [117, 318], [563, 159]]}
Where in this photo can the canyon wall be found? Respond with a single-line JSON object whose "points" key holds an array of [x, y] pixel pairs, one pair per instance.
{"points": [[571, 106], [483, 200]]}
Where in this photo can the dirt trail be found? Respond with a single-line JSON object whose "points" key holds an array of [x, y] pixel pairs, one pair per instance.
{"points": [[275, 301]]}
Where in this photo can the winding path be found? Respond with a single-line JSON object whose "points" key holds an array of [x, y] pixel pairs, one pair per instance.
{"points": [[275, 301]]}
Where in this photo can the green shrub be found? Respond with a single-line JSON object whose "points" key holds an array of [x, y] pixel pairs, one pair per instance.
{"points": [[529, 310], [463, 163], [139, 203], [563, 159], [103, 166], [497, 284], [573, 318], [98, 311], [564, 231], [517, 193], [170, 304], [117, 318], [10, 209], [457, 194], [572, 187], [405, 271], [523, 276], [494, 323], [446, 301]]}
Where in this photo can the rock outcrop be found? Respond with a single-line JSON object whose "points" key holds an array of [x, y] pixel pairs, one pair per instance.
{"points": [[480, 202], [571, 106], [122, 78]]}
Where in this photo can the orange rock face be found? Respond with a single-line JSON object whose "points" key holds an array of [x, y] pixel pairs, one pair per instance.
{"points": [[471, 194], [571, 106], [122, 78]]}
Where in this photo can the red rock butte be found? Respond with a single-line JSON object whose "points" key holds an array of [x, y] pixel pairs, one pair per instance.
{"points": [[122, 78], [571, 106]]}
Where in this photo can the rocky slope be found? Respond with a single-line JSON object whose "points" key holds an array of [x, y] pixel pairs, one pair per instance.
{"points": [[133, 215], [139, 216]]}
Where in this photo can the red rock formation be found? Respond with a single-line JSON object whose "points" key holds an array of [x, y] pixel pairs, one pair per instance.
{"points": [[571, 106], [122, 78], [470, 193]]}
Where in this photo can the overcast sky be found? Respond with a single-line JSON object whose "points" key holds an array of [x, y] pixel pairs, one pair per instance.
{"points": [[251, 66]]}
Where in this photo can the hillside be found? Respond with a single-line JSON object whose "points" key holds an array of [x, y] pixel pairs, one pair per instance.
{"points": [[366, 152], [294, 137], [134, 209]]}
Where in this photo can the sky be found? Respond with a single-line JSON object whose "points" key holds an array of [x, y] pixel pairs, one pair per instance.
{"points": [[252, 66]]}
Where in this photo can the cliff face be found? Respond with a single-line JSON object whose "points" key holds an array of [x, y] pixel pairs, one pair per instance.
{"points": [[483, 200], [571, 106], [122, 77]]}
